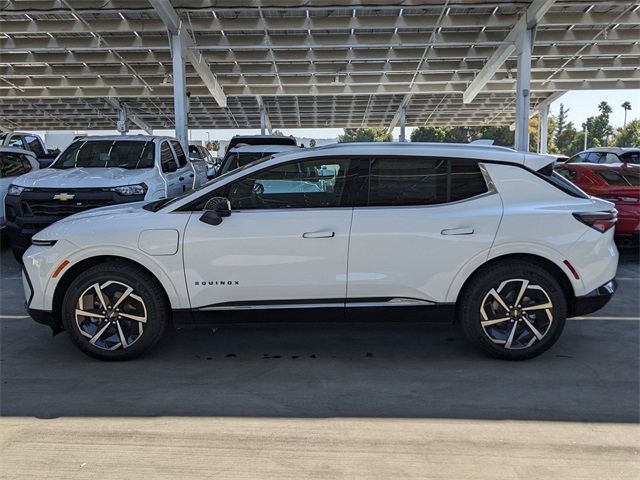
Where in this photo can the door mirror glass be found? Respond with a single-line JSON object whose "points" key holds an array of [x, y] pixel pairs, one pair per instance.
{"points": [[215, 209]]}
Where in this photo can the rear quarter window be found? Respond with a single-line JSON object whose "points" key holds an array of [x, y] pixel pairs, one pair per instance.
{"points": [[620, 179]]}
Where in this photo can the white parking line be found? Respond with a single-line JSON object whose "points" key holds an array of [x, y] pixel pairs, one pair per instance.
{"points": [[627, 279], [605, 318], [13, 317]]}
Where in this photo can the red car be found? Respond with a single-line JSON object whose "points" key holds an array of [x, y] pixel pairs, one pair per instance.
{"points": [[618, 183]]}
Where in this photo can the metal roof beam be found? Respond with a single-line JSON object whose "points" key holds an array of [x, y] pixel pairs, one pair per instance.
{"points": [[174, 25], [529, 20], [135, 118]]}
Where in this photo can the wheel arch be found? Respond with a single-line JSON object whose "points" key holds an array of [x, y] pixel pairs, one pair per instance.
{"points": [[68, 276], [559, 275]]}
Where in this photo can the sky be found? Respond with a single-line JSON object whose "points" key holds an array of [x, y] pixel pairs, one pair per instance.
{"points": [[581, 104]]}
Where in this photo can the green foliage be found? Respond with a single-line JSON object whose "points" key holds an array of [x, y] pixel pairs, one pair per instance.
{"points": [[364, 135], [430, 134], [626, 107], [599, 127], [278, 133], [629, 136], [312, 143]]}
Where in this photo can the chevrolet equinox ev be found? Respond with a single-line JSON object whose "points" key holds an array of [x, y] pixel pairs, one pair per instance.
{"points": [[482, 235]]}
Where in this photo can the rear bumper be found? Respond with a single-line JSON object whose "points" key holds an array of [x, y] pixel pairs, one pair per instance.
{"points": [[594, 300]]}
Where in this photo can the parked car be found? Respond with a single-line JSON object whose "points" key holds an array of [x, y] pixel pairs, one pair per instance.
{"points": [[93, 172], [13, 163], [607, 155], [485, 235], [30, 142], [200, 153], [242, 155], [617, 183], [244, 140]]}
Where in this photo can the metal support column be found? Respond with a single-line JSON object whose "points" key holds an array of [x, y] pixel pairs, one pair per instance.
{"points": [[403, 120], [178, 49], [123, 120], [523, 86], [263, 120], [543, 120]]}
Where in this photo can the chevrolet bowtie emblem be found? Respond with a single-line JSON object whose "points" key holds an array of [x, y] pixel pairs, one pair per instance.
{"points": [[63, 197]]}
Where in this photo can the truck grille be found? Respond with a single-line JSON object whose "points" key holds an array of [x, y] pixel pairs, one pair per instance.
{"points": [[56, 207]]}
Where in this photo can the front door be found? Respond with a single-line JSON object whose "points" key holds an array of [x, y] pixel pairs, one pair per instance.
{"points": [[424, 218], [170, 170], [284, 247]]}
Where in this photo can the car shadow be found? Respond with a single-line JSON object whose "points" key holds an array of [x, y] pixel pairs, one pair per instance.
{"points": [[591, 375]]}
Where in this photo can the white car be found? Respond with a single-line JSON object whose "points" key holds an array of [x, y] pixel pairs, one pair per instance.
{"points": [[485, 235], [13, 163], [94, 172]]}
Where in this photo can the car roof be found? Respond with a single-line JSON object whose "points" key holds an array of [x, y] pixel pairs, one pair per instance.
{"points": [[17, 150], [601, 166], [263, 148], [137, 138], [611, 149], [261, 140]]}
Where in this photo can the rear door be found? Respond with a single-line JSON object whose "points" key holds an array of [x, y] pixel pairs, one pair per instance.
{"points": [[185, 169], [169, 166], [422, 220]]}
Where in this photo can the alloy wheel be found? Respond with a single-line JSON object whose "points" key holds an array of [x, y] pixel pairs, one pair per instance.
{"points": [[111, 315], [516, 314]]}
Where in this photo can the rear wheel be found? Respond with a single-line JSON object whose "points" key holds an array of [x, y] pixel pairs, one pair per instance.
{"points": [[513, 310], [115, 311]]}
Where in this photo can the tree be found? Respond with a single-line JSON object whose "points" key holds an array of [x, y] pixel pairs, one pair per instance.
{"points": [[629, 136], [278, 133], [561, 122], [364, 135], [626, 106], [599, 128], [430, 134], [569, 140], [500, 135], [312, 143]]}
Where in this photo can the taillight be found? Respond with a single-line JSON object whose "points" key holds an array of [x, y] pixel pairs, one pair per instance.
{"points": [[601, 221]]}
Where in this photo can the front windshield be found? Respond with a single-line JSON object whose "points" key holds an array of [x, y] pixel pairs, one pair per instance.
{"points": [[235, 160], [128, 154]]}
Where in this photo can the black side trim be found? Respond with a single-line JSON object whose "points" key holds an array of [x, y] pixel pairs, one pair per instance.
{"points": [[26, 275], [593, 301], [46, 318], [440, 313]]}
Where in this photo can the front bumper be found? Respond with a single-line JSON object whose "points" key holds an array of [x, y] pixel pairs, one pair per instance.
{"points": [[45, 317], [594, 300]]}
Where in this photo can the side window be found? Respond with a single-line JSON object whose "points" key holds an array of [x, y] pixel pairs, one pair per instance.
{"points": [[593, 157], [611, 158], [182, 158], [15, 141], [407, 181], [403, 181], [314, 183], [13, 164], [194, 151], [466, 180], [167, 160], [34, 145]]}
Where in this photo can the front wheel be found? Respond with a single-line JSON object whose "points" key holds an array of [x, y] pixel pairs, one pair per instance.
{"points": [[115, 311], [513, 310]]}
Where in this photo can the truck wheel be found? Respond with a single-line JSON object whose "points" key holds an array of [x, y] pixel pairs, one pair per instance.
{"points": [[513, 310], [115, 311]]}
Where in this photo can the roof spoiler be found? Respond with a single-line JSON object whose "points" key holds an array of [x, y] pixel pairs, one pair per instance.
{"points": [[540, 163]]}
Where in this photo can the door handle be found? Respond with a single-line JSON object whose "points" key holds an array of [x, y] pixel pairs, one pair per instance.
{"points": [[191, 175], [181, 178], [318, 234], [457, 231]]}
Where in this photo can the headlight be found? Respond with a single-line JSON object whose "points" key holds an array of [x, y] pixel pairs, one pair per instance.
{"points": [[131, 189], [15, 190]]}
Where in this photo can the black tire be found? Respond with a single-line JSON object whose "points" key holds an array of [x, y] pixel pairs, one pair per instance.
{"points": [[17, 254], [153, 305], [477, 295]]}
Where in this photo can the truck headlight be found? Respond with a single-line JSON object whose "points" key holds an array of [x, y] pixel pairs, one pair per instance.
{"points": [[15, 190], [140, 189]]}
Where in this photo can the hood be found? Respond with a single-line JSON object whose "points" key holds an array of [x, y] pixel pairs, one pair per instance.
{"points": [[83, 177], [109, 210]]}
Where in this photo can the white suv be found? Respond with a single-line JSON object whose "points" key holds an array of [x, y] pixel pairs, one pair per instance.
{"points": [[394, 232]]}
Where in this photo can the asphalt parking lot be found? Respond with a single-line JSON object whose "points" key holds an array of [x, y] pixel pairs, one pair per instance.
{"points": [[330, 402]]}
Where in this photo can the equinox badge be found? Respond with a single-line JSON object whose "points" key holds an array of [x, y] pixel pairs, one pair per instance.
{"points": [[63, 197]]}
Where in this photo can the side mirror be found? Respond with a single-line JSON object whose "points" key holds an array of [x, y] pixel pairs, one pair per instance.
{"points": [[215, 209]]}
